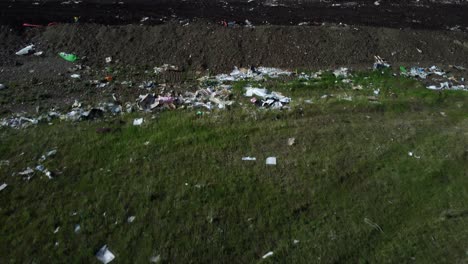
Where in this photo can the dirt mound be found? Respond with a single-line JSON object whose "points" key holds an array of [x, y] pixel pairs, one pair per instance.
{"points": [[201, 47]]}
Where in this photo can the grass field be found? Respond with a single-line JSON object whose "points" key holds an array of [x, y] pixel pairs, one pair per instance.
{"points": [[346, 192]]}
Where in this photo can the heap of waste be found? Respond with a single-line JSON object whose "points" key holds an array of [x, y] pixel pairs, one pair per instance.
{"points": [[441, 78], [264, 98]]}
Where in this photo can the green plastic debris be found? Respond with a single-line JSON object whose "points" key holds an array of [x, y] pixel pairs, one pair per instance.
{"points": [[403, 69], [68, 56]]}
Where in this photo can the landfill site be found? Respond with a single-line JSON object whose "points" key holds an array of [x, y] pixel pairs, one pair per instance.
{"points": [[240, 131]]}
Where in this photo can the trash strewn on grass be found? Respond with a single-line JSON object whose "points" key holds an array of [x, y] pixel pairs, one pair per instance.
{"points": [[131, 219], [138, 121], [155, 259], [267, 255], [440, 80], [104, 255], [341, 72], [270, 161], [249, 158], [253, 73], [291, 141], [267, 99], [3, 186], [411, 154], [2, 86]]}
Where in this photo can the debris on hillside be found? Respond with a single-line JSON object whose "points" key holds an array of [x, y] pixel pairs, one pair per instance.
{"points": [[380, 63], [341, 72], [26, 50], [104, 255], [267, 99], [256, 74]]}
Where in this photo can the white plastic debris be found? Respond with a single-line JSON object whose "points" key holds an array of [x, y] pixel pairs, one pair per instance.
{"points": [[26, 171], [108, 59], [341, 72], [271, 161], [155, 259], [75, 76], [249, 158], [3, 186], [295, 241], [104, 255], [26, 50], [291, 141], [267, 255], [38, 54], [262, 92], [56, 230], [138, 121], [77, 228], [411, 154], [131, 219], [2, 86]]}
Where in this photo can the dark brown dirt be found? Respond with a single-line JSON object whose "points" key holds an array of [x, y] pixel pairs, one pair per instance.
{"points": [[201, 47]]}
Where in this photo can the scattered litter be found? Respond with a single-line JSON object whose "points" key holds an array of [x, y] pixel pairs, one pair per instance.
{"points": [[77, 228], [411, 154], [271, 161], [75, 76], [272, 100], [46, 172], [291, 141], [108, 59], [341, 72], [296, 241], [256, 74], [164, 68], [249, 158], [131, 219], [27, 171], [138, 121], [104, 255], [374, 225], [38, 54], [56, 230], [380, 63], [26, 50], [3, 186], [155, 259], [2, 86], [377, 92], [68, 56], [267, 255], [4, 163], [420, 51]]}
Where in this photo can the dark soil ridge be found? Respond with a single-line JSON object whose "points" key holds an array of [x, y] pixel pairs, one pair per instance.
{"points": [[396, 14], [199, 48]]}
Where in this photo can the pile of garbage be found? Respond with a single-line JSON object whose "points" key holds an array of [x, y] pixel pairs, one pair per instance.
{"points": [[209, 98], [442, 78], [266, 99], [256, 74]]}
